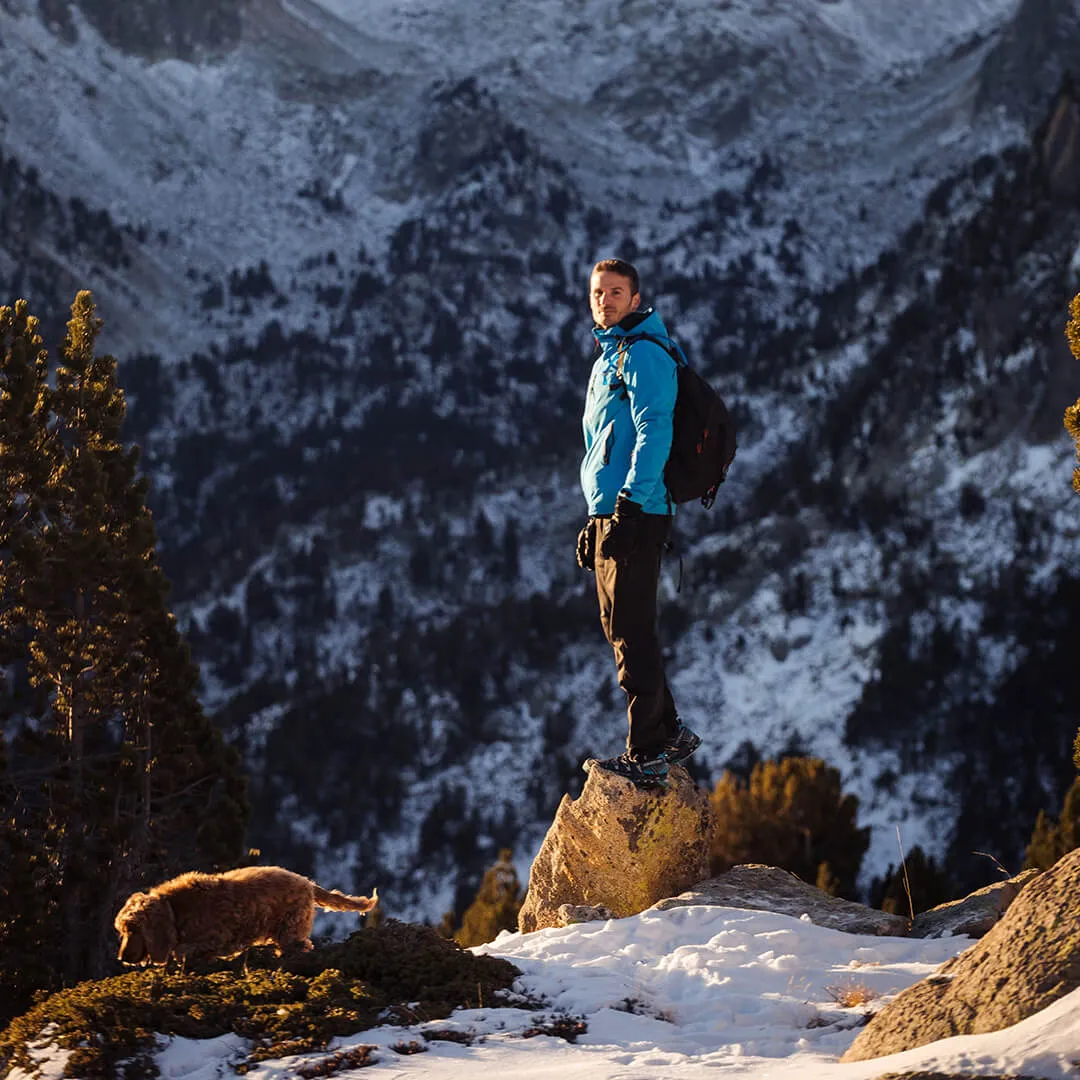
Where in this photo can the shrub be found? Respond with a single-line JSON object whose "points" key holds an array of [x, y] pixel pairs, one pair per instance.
{"points": [[850, 994], [792, 814], [281, 1007]]}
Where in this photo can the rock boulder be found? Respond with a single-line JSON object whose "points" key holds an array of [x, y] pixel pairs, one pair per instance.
{"points": [[768, 888], [975, 915], [1027, 961], [619, 847]]}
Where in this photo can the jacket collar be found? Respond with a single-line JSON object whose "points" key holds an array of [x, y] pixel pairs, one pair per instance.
{"points": [[624, 326]]}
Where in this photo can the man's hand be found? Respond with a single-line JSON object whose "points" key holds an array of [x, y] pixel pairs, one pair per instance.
{"points": [[621, 533], [586, 557]]}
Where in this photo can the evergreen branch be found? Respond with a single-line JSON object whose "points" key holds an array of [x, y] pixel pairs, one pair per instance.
{"points": [[1072, 426], [162, 801], [19, 777], [1072, 328], [1072, 420]]}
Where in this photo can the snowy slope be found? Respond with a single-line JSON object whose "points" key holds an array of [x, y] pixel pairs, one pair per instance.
{"points": [[680, 994]]}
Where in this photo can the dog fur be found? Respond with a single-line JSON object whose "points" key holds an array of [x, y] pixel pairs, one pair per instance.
{"points": [[222, 915]]}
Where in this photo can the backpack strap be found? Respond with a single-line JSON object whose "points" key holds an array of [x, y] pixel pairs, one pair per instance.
{"points": [[676, 354], [669, 346]]}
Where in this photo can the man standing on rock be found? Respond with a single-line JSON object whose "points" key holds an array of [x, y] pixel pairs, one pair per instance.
{"points": [[628, 425]]}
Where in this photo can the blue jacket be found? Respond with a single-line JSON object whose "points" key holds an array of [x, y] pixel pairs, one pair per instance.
{"points": [[627, 423]]}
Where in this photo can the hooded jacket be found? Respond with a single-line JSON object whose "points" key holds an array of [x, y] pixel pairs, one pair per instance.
{"points": [[627, 422]]}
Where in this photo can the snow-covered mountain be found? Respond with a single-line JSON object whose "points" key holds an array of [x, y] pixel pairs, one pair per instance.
{"points": [[341, 250], [324, 127]]}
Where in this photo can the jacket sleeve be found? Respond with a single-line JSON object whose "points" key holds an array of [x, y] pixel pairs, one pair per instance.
{"points": [[651, 381]]}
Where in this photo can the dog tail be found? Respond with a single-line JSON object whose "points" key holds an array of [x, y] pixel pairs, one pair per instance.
{"points": [[339, 901]]}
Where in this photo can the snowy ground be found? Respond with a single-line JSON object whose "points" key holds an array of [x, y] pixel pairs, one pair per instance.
{"points": [[683, 993]]}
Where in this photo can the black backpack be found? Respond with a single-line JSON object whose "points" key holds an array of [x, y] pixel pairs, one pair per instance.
{"points": [[703, 437]]}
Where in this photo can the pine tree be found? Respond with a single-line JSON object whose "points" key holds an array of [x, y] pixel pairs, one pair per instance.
{"points": [[136, 782], [1051, 839], [793, 814], [26, 458], [1072, 413], [79, 611], [1042, 851], [29, 954], [496, 905]]}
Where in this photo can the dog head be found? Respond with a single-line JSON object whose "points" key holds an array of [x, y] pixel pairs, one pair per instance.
{"points": [[147, 930]]}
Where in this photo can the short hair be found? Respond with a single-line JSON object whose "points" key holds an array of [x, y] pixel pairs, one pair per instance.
{"points": [[622, 268]]}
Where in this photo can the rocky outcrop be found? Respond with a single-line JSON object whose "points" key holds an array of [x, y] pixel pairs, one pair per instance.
{"points": [[620, 847], [973, 916], [1025, 963], [768, 888]]}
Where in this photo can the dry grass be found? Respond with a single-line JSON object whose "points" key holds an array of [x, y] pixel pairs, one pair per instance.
{"points": [[411, 1047], [563, 1027], [850, 994]]}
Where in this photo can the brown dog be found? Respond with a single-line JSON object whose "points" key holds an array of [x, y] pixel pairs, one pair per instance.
{"points": [[224, 914]]}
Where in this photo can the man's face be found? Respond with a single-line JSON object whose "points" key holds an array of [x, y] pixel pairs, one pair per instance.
{"points": [[611, 298]]}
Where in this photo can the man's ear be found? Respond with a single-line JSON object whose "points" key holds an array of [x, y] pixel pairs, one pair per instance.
{"points": [[634, 301]]}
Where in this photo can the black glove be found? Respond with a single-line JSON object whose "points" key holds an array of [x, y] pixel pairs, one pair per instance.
{"points": [[622, 531], [586, 557]]}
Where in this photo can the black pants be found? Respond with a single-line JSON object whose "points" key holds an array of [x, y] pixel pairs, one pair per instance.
{"points": [[627, 594]]}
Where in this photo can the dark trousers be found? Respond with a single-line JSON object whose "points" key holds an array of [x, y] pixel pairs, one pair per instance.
{"points": [[627, 594]]}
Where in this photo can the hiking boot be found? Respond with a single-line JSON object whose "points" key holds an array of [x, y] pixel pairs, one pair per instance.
{"points": [[643, 771], [681, 745]]}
